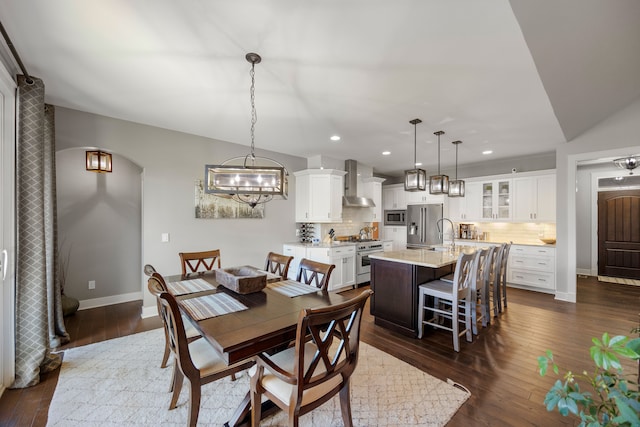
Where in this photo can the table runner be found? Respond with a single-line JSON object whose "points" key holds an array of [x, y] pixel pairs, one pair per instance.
{"points": [[212, 305], [291, 288], [189, 286]]}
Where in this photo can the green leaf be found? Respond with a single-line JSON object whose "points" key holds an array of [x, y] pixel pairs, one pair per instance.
{"points": [[543, 364], [627, 414]]}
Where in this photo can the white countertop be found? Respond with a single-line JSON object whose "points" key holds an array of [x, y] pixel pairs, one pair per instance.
{"points": [[422, 257], [489, 242], [322, 245]]}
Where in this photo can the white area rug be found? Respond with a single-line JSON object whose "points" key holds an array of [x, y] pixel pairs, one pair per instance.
{"points": [[119, 382]]}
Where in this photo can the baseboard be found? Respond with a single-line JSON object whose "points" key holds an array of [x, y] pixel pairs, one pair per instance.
{"points": [[566, 296], [115, 299], [584, 271], [149, 311]]}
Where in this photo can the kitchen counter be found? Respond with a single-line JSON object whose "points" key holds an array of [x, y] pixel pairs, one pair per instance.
{"points": [[421, 257], [515, 242], [322, 245]]}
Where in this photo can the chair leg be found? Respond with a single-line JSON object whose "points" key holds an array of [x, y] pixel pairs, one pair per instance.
{"points": [[167, 352], [173, 379], [467, 317], [256, 402], [177, 386], [194, 402], [345, 405], [455, 326], [421, 314]]}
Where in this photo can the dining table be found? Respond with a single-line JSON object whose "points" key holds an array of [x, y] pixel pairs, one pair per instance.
{"points": [[260, 321]]}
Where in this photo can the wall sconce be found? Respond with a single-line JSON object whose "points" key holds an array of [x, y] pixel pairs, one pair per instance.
{"points": [[98, 161], [628, 163]]}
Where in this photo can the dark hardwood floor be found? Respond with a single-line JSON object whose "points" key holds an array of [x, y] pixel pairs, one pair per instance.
{"points": [[499, 367]]}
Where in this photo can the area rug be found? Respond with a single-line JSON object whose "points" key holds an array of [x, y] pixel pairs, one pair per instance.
{"points": [[119, 383]]}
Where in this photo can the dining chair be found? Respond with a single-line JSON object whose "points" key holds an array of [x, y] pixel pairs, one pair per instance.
{"points": [[314, 273], [485, 278], [456, 302], [199, 262], [278, 264], [476, 289], [319, 365], [159, 286], [196, 360]]}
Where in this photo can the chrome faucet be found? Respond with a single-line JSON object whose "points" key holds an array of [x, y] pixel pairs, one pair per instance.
{"points": [[441, 232]]}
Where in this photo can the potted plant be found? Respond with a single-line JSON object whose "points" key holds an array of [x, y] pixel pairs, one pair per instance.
{"points": [[605, 397]]}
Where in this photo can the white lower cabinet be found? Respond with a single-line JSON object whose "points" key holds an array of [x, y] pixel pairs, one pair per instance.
{"points": [[343, 257], [533, 266]]}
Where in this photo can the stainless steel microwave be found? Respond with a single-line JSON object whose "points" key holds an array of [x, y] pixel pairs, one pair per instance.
{"points": [[395, 217]]}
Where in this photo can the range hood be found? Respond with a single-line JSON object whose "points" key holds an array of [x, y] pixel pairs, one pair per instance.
{"points": [[351, 199]]}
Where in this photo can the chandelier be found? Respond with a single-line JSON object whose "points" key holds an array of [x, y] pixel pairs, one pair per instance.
{"points": [[629, 163], [415, 179], [249, 179]]}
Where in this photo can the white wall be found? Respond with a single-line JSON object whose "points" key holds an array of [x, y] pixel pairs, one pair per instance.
{"points": [[615, 136], [172, 161]]}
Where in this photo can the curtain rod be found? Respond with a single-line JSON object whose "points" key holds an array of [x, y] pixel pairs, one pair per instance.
{"points": [[14, 52]]}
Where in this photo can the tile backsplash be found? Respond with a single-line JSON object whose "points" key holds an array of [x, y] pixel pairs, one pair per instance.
{"points": [[525, 233], [353, 219]]}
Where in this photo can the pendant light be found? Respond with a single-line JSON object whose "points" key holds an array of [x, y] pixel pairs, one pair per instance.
{"points": [[415, 179], [439, 184], [456, 187], [248, 179], [98, 161]]}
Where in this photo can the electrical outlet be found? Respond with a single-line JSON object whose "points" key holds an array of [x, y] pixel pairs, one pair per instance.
{"points": [[92, 284], [297, 232]]}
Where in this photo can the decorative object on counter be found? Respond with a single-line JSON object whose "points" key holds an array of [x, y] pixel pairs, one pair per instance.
{"points": [[99, 161], [306, 233], [415, 179], [211, 206], [439, 184], [456, 187], [548, 240], [629, 163], [242, 280], [256, 180]]}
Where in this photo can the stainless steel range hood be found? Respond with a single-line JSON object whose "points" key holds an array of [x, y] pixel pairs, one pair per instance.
{"points": [[351, 199]]}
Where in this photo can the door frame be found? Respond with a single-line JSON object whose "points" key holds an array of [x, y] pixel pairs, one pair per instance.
{"points": [[595, 188], [7, 226]]}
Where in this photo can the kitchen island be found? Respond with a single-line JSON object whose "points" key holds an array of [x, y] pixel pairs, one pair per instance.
{"points": [[395, 277]]}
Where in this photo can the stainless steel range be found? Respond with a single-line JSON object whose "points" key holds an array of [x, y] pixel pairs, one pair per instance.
{"points": [[364, 248]]}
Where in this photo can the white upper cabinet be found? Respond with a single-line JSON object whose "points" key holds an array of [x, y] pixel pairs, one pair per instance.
{"points": [[535, 198], [423, 197], [496, 199], [469, 207], [372, 188], [319, 195], [394, 197]]}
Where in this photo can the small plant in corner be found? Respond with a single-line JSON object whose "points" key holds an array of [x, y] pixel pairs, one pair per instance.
{"points": [[606, 397]]}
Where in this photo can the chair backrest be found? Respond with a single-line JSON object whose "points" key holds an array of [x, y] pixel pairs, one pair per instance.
{"points": [[314, 273], [485, 272], [503, 266], [278, 264], [496, 263], [462, 274], [149, 270], [176, 335], [199, 262], [335, 331], [476, 279]]}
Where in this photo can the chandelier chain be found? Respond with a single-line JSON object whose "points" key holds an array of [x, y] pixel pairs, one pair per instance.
{"points": [[254, 114]]}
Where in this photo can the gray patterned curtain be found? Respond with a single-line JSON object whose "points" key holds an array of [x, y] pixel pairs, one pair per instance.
{"points": [[39, 320]]}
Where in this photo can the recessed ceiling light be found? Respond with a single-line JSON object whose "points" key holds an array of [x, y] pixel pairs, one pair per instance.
{"points": [[386, 153], [418, 164], [487, 152], [335, 138]]}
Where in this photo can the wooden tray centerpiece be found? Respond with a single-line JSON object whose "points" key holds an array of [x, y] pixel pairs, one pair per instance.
{"points": [[242, 280]]}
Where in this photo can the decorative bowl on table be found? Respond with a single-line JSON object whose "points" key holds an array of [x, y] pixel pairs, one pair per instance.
{"points": [[548, 240], [242, 280]]}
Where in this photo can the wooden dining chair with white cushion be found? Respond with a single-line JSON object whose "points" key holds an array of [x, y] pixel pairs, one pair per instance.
{"points": [[199, 262], [156, 288], [314, 273], [319, 366], [456, 303], [278, 264], [196, 360]]}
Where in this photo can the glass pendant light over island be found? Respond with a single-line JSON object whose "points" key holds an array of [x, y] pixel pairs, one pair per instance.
{"points": [[456, 187], [248, 179], [439, 184], [415, 179]]}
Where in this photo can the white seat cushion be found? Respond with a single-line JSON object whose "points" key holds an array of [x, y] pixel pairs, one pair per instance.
{"points": [[438, 289], [285, 360], [206, 358]]}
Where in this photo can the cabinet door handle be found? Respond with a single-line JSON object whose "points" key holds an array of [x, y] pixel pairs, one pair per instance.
{"points": [[541, 280], [519, 277]]}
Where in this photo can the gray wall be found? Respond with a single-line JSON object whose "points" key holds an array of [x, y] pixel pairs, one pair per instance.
{"points": [[615, 136], [99, 215], [171, 162]]}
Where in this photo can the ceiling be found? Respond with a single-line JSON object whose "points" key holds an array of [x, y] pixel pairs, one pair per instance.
{"points": [[518, 78]]}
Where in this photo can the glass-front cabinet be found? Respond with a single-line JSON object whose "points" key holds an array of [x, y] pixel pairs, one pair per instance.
{"points": [[496, 199]]}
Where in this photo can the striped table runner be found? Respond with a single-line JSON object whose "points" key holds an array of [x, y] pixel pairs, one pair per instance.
{"points": [[291, 288], [212, 305], [189, 286]]}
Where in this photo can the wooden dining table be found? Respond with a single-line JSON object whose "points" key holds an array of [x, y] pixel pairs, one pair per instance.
{"points": [[269, 322]]}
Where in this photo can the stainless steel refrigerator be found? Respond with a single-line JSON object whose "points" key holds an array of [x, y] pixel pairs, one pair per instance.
{"points": [[422, 230]]}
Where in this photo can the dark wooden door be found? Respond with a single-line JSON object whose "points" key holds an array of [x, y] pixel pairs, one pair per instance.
{"points": [[619, 234]]}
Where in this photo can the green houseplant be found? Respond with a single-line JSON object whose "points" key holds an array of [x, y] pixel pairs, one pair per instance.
{"points": [[605, 397]]}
